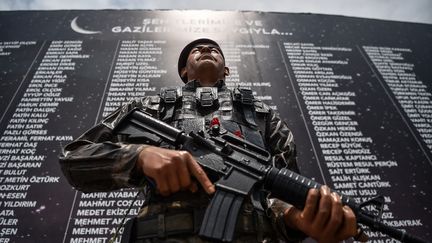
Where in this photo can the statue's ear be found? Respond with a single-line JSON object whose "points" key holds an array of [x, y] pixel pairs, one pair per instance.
{"points": [[226, 71], [183, 72]]}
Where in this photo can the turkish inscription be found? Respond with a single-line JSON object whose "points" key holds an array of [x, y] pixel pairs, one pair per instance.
{"points": [[56, 84]]}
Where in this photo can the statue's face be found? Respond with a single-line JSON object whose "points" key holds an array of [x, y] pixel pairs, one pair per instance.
{"points": [[205, 62]]}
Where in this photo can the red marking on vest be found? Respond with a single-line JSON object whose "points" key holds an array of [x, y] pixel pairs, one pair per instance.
{"points": [[238, 133], [214, 121]]}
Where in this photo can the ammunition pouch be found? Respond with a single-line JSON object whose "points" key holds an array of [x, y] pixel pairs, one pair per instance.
{"points": [[187, 223]]}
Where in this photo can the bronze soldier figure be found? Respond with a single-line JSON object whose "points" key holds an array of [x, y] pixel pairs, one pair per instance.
{"points": [[100, 161]]}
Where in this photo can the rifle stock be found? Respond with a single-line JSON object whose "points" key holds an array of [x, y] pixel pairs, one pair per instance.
{"points": [[242, 166]]}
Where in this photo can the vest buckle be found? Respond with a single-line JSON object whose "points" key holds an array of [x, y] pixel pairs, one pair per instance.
{"points": [[245, 96], [207, 96], [170, 95]]}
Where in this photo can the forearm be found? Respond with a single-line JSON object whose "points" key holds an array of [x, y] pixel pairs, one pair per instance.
{"points": [[98, 161], [101, 166]]}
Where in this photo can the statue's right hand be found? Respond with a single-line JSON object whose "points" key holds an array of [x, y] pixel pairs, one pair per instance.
{"points": [[172, 170]]}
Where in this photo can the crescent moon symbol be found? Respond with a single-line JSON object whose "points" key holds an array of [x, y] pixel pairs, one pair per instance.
{"points": [[78, 29]]}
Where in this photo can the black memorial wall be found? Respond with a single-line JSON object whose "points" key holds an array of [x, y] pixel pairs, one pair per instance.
{"points": [[355, 92]]}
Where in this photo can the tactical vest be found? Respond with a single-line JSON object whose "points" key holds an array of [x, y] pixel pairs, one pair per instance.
{"points": [[198, 108], [212, 110]]}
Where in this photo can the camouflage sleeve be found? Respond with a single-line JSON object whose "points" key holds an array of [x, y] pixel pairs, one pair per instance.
{"points": [[98, 161], [280, 141]]}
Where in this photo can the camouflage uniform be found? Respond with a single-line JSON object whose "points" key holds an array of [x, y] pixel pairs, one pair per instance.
{"points": [[99, 161]]}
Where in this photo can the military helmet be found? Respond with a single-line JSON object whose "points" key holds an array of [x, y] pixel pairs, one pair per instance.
{"points": [[188, 48]]}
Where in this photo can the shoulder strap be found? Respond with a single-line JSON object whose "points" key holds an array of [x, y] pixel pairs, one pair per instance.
{"points": [[169, 97], [245, 98], [246, 104]]}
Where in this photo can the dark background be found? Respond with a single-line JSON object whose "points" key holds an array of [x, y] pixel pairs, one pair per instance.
{"points": [[377, 113]]}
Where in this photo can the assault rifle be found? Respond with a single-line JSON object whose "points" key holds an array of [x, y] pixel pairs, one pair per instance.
{"points": [[242, 167]]}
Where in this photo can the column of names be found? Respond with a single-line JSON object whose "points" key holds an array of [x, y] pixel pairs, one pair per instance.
{"points": [[354, 169], [409, 91], [22, 142], [135, 69]]}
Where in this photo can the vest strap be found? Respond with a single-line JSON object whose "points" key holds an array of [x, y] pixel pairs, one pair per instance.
{"points": [[246, 99], [169, 96]]}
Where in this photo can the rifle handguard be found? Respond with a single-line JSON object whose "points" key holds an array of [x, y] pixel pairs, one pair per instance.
{"points": [[293, 188]]}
